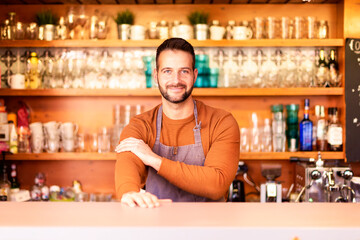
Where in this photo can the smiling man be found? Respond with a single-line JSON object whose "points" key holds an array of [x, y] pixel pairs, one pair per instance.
{"points": [[182, 149]]}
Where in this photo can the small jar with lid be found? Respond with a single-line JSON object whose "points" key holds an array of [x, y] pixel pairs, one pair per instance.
{"points": [[163, 30], [153, 32], [323, 30], [229, 29]]}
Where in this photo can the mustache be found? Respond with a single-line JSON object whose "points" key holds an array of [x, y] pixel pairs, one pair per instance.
{"points": [[176, 85]]}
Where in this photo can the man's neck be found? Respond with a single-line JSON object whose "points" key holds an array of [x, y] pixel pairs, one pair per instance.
{"points": [[178, 111]]}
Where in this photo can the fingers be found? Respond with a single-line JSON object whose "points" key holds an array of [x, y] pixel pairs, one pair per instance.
{"points": [[128, 144], [144, 200]]}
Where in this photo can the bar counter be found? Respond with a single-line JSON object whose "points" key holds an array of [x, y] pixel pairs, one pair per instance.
{"points": [[91, 220]]}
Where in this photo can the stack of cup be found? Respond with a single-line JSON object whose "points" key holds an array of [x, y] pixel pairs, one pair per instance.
{"points": [[37, 137], [68, 132], [52, 136]]}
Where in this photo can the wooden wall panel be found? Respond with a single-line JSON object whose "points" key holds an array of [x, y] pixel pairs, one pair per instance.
{"points": [[352, 19]]}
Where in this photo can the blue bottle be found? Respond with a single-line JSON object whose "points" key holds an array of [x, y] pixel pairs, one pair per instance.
{"points": [[306, 128]]}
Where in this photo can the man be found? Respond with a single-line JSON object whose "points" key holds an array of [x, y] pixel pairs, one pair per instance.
{"points": [[182, 149]]}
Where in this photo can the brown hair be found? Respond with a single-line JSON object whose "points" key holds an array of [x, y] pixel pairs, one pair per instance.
{"points": [[176, 44]]}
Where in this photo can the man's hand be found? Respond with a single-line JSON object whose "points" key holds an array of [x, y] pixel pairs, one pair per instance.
{"points": [[141, 199], [141, 150]]}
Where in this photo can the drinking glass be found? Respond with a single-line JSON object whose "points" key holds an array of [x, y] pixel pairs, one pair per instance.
{"points": [[259, 27], [285, 27], [271, 27], [311, 27], [81, 20], [298, 27], [104, 142], [244, 140], [71, 22]]}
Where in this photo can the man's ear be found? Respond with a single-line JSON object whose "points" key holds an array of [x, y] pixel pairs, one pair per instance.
{"points": [[195, 74]]}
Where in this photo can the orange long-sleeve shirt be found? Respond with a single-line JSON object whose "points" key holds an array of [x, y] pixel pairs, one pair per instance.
{"points": [[220, 139]]}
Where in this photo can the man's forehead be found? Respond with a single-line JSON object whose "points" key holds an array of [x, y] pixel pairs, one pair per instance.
{"points": [[174, 53]]}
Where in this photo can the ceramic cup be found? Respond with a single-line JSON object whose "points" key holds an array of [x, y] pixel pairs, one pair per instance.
{"points": [[52, 129], [242, 33], [69, 130], [36, 129], [17, 81], [68, 145], [217, 32], [137, 32]]}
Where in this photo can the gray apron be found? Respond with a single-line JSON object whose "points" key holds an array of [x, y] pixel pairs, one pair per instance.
{"points": [[192, 154]]}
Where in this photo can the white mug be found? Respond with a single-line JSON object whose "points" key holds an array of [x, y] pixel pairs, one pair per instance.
{"points": [[36, 129], [68, 145], [217, 32], [52, 129], [242, 33], [184, 31], [17, 81], [137, 32], [69, 130]]}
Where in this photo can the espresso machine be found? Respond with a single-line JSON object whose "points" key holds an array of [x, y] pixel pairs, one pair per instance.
{"points": [[319, 182], [271, 190]]}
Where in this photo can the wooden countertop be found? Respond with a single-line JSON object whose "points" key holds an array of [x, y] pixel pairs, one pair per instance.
{"points": [[60, 220]]}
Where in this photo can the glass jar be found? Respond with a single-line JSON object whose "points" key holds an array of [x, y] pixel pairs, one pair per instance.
{"points": [[323, 30]]}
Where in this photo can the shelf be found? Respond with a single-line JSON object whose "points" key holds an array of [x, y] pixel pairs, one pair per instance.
{"points": [[287, 155], [91, 156], [215, 92], [336, 42], [86, 156]]}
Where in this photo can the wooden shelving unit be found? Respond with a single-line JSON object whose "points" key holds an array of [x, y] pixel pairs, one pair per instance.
{"points": [[212, 92], [93, 156], [337, 42]]}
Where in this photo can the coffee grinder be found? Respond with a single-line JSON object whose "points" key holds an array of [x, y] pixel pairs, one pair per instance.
{"points": [[271, 190]]}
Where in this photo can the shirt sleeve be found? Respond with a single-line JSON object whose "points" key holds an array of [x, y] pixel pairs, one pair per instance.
{"points": [[214, 178], [130, 171]]}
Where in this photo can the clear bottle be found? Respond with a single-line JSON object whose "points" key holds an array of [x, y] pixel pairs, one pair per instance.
{"points": [[5, 186], [321, 128], [278, 128], [335, 131], [306, 129], [15, 185]]}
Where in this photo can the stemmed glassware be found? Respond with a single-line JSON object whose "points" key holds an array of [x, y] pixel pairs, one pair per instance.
{"points": [[71, 22]]}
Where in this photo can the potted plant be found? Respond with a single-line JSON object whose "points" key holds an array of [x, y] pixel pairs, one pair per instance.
{"points": [[124, 20], [46, 21], [199, 20]]}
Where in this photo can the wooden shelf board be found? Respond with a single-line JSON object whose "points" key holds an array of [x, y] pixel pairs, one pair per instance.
{"points": [[216, 92], [336, 42], [287, 155], [90, 156]]}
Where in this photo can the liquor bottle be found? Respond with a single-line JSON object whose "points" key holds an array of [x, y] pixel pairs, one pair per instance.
{"points": [[321, 142], [333, 69], [15, 185], [322, 73], [13, 138], [306, 128], [4, 186], [335, 133]]}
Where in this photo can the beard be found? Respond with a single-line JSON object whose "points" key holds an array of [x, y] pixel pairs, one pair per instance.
{"points": [[182, 98]]}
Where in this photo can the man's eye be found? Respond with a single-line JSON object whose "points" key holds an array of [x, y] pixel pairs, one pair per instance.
{"points": [[185, 71], [167, 71]]}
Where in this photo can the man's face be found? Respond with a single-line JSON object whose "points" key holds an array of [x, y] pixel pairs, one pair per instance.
{"points": [[175, 75]]}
